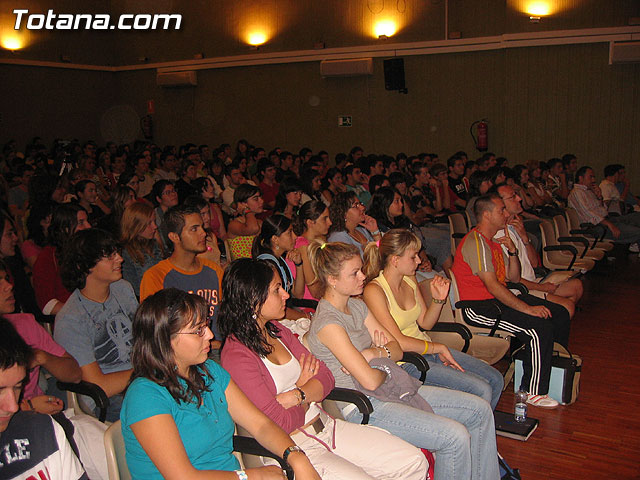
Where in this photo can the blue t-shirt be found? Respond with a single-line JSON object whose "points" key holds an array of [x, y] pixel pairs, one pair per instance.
{"points": [[206, 431], [344, 237], [99, 332]]}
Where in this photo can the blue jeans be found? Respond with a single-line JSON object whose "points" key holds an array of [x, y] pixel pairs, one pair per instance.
{"points": [[460, 432], [478, 378]]}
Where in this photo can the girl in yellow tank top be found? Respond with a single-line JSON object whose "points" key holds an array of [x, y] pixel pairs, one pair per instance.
{"points": [[393, 297]]}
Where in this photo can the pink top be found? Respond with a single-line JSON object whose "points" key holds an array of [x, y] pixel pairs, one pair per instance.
{"points": [[214, 223], [36, 337], [250, 373], [29, 248], [301, 242]]}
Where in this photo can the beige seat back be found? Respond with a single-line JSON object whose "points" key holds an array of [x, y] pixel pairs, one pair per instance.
{"points": [[559, 260], [470, 223], [482, 346], [116, 458], [573, 222], [458, 225], [562, 230]]}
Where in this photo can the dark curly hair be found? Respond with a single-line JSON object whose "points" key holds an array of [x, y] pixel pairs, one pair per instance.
{"points": [[245, 287], [338, 210], [287, 186], [13, 349], [64, 221], [273, 225], [380, 203], [244, 192], [158, 319], [83, 251], [34, 227], [311, 210]]}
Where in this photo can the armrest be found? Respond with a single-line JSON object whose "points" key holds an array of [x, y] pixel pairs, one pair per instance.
{"points": [[598, 230], [458, 328], [419, 361], [90, 390], [359, 399], [302, 303], [564, 248], [586, 233], [581, 240], [518, 286], [491, 303], [250, 446]]}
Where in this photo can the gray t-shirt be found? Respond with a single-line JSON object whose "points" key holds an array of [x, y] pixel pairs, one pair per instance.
{"points": [[353, 324], [99, 332]]}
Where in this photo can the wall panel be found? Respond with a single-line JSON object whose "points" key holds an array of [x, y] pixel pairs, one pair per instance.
{"points": [[540, 102]]}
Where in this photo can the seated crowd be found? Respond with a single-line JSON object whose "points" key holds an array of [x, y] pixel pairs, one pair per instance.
{"points": [[333, 274]]}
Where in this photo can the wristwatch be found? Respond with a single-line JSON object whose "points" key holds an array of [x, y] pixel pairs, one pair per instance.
{"points": [[513, 254], [289, 450]]}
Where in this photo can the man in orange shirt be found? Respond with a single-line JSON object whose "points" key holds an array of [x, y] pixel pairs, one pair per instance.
{"points": [[183, 227]]}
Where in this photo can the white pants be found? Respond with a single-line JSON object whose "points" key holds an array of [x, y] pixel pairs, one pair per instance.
{"points": [[350, 451]]}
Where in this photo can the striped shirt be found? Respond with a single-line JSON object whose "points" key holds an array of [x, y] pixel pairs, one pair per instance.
{"points": [[589, 207], [476, 253]]}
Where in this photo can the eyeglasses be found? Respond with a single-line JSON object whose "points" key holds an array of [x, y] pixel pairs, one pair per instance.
{"points": [[168, 192], [357, 205], [200, 331]]}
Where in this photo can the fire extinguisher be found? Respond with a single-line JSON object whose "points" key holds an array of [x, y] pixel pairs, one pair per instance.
{"points": [[482, 139]]}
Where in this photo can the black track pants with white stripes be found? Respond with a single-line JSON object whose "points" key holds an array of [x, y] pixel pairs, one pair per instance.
{"points": [[537, 334]]}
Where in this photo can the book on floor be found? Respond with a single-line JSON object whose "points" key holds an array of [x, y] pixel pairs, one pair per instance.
{"points": [[506, 426]]}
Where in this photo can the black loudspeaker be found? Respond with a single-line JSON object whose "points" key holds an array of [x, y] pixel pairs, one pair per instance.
{"points": [[394, 74]]}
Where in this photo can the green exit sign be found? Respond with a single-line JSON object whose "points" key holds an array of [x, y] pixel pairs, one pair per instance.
{"points": [[345, 121]]}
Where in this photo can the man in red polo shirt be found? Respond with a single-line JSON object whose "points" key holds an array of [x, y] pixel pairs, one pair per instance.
{"points": [[482, 270]]}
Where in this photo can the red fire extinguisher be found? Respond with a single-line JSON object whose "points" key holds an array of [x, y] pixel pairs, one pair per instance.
{"points": [[482, 138]]}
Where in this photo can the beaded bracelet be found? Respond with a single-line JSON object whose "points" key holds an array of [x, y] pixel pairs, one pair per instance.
{"points": [[441, 302]]}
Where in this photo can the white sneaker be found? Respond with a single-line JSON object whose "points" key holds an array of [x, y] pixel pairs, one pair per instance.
{"points": [[543, 401], [633, 248]]}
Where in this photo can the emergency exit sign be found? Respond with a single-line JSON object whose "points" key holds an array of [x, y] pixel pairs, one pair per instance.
{"points": [[345, 121]]}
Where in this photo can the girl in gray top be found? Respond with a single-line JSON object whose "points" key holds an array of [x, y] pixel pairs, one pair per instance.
{"points": [[346, 336]]}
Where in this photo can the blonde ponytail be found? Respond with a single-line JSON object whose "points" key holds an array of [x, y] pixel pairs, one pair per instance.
{"points": [[327, 259]]}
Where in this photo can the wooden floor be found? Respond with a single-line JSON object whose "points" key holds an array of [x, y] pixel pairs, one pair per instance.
{"points": [[599, 435]]}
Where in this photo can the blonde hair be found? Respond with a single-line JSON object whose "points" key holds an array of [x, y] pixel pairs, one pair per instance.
{"points": [[134, 220], [327, 259], [394, 242]]}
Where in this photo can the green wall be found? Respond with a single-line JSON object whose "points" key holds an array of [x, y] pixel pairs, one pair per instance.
{"points": [[540, 101]]}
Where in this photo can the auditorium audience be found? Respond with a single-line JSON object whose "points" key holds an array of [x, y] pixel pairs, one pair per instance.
{"points": [[141, 245], [300, 203], [281, 377], [183, 403]]}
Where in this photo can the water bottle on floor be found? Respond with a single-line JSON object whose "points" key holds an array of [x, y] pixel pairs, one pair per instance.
{"points": [[521, 406]]}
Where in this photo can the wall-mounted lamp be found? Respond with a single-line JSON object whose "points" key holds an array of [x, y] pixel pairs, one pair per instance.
{"points": [[538, 8], [12, 43], [384, 29], [534, 19], [256, 39]]}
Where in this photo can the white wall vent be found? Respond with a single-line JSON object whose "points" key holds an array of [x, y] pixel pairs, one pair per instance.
{"points": [[346, 68], [177, 79], [624, 52]]}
